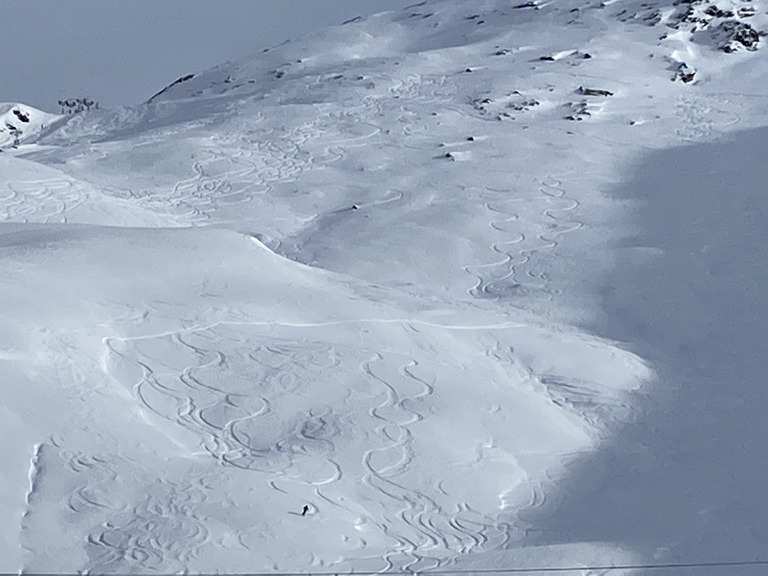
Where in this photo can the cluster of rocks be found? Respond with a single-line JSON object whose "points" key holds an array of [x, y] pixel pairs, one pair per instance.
{"points": [[20, 115], [707, 23], [682, 72], [577, 111], [592, 92], [732, 35], [722, 28], [647, 15]]}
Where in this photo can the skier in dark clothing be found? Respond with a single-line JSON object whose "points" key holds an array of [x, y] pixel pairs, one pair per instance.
{"points": [[305, 510]]}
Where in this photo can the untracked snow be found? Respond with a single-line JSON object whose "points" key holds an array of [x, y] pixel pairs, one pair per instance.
{"points": [[468, 286]]}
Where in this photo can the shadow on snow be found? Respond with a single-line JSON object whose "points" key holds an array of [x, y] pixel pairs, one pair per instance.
{"points": [[686, 481]]}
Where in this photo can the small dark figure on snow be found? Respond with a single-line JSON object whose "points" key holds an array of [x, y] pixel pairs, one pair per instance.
{"points": [[305, 510]]}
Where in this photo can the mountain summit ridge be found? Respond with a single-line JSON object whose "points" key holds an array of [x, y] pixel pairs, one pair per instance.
{"points": [[389, 298]]}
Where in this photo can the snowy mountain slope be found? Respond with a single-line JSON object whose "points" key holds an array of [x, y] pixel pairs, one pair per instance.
{"points": [[422, 98], [21, 124], [287, 398], [373, 273]]}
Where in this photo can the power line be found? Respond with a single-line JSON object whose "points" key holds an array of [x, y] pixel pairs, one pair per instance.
{"points": [[533, 570], [457, 572], [542, 569]]}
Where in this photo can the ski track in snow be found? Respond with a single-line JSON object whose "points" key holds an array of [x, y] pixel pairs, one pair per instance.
{"points": [[160, 532], [230, 176], [516, 271], [203, 380], [233, 172], [426, 533], [705, 119], [229, 418], [41, 200]]}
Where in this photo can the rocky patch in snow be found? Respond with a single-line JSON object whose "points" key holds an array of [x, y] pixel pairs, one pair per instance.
{"points": [[21, 124]]}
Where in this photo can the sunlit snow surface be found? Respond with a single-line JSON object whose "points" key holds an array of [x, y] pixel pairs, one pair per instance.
{"points": [[481, 286]]}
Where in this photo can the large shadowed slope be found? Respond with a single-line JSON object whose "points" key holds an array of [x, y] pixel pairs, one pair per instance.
{"points": [[686, 481]]}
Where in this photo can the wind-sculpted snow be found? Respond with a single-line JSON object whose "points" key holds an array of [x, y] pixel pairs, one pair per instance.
{"points": [[261, 408], [339, 306]]}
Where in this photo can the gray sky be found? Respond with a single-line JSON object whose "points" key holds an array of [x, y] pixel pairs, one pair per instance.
{"points": [[123, 51]]}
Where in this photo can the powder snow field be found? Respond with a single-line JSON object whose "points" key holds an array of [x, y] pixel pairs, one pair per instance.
{"points": [[479, 284]]}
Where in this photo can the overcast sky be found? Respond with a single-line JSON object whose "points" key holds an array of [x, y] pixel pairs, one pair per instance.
{"points": [[123, 51]]}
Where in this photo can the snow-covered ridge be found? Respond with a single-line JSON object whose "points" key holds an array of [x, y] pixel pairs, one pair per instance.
{"points": [[689, 42], [682, 27]]}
